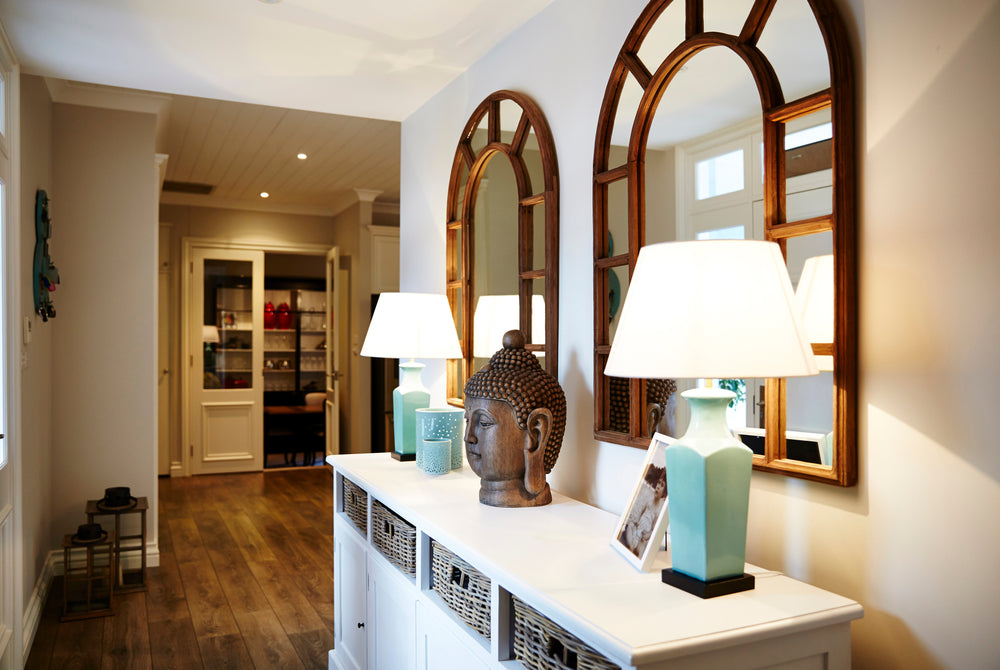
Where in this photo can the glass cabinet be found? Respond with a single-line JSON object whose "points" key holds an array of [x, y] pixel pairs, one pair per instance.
{"points": [[294, 340]]}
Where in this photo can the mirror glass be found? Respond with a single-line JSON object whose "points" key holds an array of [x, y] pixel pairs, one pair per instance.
{"points": [[809, 400], [793, 44], [503, 205], [727, 17], [808, 166], [698, 185], [495, 232], [708, 141]]}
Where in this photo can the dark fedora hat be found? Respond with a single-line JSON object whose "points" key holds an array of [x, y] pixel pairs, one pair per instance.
{"points": [[117, 497], [89, 533]]}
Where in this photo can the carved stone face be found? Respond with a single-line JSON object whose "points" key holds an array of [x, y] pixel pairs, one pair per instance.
{"points": [[509, 460], [494, 443], [515, 414]]}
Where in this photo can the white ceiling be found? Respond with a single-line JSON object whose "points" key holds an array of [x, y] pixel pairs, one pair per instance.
{"points": [[241, 86], [294, 64]]}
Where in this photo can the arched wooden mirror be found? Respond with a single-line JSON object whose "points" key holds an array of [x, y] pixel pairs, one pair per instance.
{"points": [[503, 235], [735, 119]]}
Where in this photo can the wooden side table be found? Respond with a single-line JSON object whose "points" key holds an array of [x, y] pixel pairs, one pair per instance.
{"points": [[133, 579], [88, 589]]}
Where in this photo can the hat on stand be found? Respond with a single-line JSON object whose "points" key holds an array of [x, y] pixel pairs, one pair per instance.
{"points": [[116, 498], [89, 533]]}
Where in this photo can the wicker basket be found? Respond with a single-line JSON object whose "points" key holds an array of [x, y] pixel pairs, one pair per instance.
{"points": [[541, 644], [462, 587], [394, 537], [356, 504]]}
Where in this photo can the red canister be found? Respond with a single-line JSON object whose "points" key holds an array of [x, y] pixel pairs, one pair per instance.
{"points": [[270, 318], [284, 317]]}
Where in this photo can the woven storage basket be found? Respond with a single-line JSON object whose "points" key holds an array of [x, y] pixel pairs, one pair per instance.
{"points": [[541, 644], [394, 537], [462, 587], [356, 504]]}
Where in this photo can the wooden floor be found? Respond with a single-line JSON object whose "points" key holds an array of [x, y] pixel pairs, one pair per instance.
{"points": [[245, 581]]}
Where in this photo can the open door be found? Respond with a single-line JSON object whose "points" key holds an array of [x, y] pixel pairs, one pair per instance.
{"points": [[332, 403], [226, 345]]}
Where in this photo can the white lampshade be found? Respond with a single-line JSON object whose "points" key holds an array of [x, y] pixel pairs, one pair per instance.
{"points": [[712, 309], [412, 325], [814, 299], [496, 314], [210, 334]]}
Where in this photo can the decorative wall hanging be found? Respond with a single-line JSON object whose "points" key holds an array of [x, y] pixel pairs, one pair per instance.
{"points": [[45, 275]]}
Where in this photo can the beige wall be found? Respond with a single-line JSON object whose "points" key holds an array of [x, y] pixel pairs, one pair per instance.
{"points": [[103, 398], [36, 379], [914, 541]]}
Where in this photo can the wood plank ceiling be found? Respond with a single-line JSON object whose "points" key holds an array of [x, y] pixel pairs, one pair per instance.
{"points": [[241, 150]]}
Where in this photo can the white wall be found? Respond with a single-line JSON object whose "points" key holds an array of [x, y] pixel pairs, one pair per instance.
{"points": [[105, 232], [914, 541]]}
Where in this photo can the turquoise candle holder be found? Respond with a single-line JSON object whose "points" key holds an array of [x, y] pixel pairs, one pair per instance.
{"points": [[442, 423], [436, 456]]}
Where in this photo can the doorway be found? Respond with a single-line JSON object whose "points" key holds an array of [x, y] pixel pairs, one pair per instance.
{"points": [[255, 329]]}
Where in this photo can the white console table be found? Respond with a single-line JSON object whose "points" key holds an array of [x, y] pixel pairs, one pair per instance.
{"points": [[558, 560]]}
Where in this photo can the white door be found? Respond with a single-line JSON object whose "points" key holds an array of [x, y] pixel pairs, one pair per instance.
{"points": [[225, 341], [350, 589], [163, 378], [333, 326], [389, 618]]}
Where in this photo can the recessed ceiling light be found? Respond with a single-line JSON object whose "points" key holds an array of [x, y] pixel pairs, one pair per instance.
{"points": [[270, 2], [264, 194], [301, 156]]}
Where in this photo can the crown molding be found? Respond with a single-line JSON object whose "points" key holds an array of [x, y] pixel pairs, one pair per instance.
{"points": [[70, 92], [195, 200]]}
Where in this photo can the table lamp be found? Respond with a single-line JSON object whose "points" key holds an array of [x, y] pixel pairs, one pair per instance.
{"points": [[496, 314], [210, 336], [410, 325], [709, 309]]}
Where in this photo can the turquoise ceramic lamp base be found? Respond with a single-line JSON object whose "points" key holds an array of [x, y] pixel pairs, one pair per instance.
{"points": [[406, 399], [708, 483]]}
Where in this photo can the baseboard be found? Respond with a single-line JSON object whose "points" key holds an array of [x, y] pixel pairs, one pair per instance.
{"points": [[36, 603]]}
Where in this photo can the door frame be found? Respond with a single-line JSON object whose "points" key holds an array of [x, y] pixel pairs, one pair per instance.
{"points": [[188, 245], [331, 384], [12, 349]]}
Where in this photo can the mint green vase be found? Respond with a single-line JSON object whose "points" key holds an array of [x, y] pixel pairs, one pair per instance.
{"points": [[406, 399], [708, 484]]}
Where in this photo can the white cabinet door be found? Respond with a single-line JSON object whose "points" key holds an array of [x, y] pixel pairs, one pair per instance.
{"points": [[350, 591], [439, 647], [225, 342], [391, 602]]}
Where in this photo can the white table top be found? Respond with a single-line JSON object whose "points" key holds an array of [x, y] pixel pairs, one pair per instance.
{"points": [[559, 559]]}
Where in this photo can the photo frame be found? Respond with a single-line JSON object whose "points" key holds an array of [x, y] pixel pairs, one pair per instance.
{"points": [[639, 532]]}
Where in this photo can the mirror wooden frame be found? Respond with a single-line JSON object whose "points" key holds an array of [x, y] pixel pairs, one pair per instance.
{"points": [[468, 169], [776, 112]]}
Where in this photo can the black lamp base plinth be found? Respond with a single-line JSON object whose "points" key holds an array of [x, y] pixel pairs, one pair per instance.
{"points": [[712, 589], [403, 457]]}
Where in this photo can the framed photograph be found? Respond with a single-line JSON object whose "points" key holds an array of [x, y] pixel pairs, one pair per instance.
{"points": [[640, 530]]}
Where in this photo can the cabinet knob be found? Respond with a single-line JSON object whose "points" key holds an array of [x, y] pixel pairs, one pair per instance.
{"points": [[360, 625]]}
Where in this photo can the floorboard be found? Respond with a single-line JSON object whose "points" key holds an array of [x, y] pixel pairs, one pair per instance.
{"points": [[245, 581]]}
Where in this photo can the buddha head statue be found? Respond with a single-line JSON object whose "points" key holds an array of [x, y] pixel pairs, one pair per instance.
{"points": [[515, 418], [661, 404]]}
